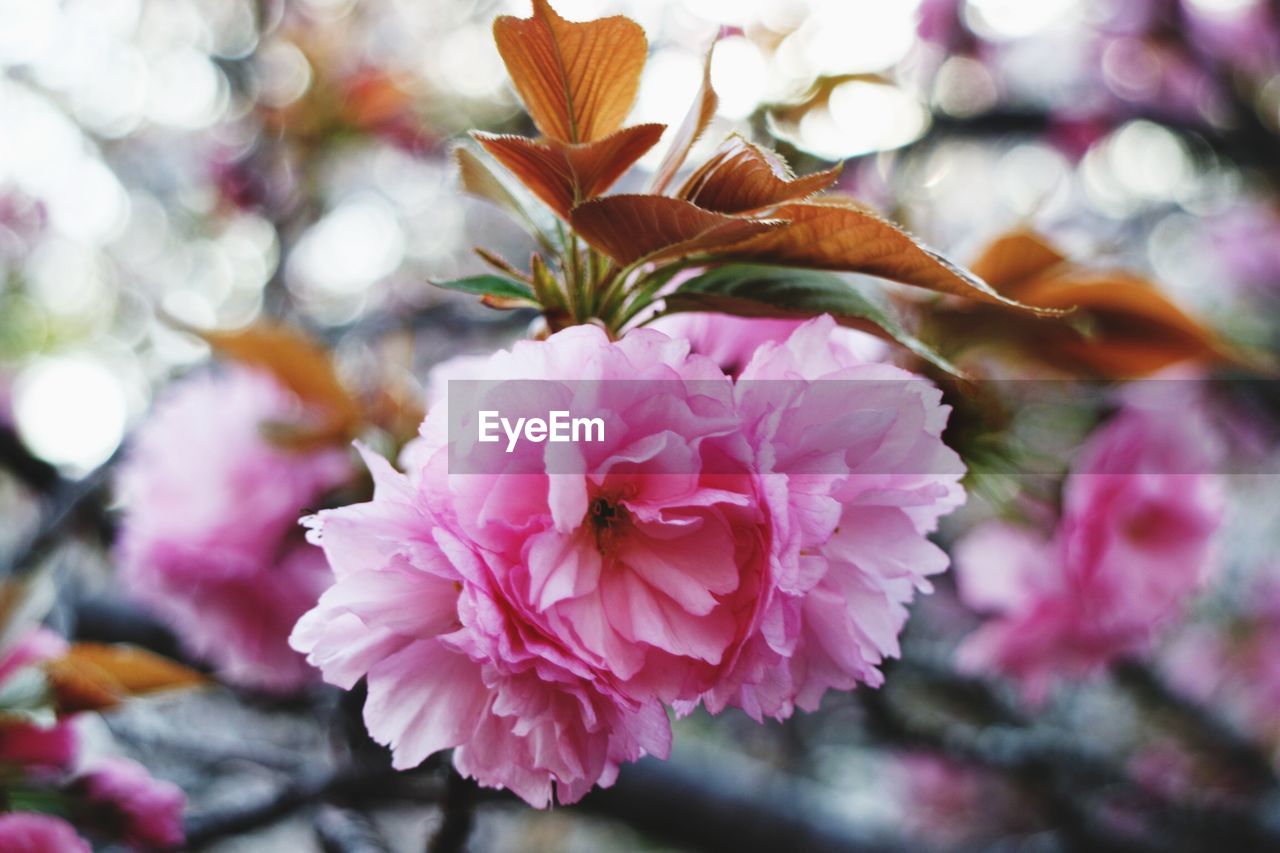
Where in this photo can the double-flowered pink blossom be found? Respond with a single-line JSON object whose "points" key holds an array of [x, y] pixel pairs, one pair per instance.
{"points": [[210, 539], [538, 617], [1134, 543]]}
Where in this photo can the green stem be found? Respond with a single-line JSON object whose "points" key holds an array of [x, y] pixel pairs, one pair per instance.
{"points": [[643, 295]]}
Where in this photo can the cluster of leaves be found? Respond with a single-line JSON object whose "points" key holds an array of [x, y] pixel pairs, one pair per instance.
{"points": [[739, 225]]}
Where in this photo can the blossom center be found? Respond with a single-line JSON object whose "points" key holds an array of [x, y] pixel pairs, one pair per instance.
{"points": [[607, 517]]}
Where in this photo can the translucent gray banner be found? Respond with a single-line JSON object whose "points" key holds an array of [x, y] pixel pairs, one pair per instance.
{"points": [[842, 426]]}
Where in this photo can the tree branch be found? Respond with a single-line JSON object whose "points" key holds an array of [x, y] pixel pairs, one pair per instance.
{"points": [[342, 830], [1198, 725], [458, 815], [353, 785], [69, 497]]}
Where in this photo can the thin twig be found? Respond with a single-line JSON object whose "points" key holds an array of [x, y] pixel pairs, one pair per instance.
{"points": [[33, 471], [342, 830], [349, 785], [65, 504], [1197, 724], [458, 814]]}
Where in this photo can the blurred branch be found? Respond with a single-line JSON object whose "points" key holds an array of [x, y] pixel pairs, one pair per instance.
{"points": [[696, 808], [683, 804], [1040, 766], [1196, 724], [1064, 774], [1248, 144], [671, 801], [112, 620], [34, 472], [347, 831], [353, 785], [66, 501], [458, 816]]}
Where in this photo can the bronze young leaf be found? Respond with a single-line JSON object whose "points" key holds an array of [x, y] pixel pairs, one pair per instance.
{"points": [[564, 175], [616, 260], [578, 80]]}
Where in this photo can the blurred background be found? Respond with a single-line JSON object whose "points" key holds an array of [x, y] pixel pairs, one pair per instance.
{"points": [[208, 162]]}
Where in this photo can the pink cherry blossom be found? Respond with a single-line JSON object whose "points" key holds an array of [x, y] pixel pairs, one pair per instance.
{"points": [[1134, 543], [29, 832], [476, 603], [210, 538], [538, 616], [731, 341], [143, 811]]}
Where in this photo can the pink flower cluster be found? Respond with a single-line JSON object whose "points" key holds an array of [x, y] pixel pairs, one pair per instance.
{"points": [[210, 538], [32, 832], [539, 622], [143, 811], [1134, 543]]}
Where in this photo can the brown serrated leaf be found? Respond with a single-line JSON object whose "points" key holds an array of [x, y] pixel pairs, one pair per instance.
{"points": [[1014, 259], [564, 175], [741, 177], [298, 362], [629, 228], [695, 123], [577, 80], [846, 238]]}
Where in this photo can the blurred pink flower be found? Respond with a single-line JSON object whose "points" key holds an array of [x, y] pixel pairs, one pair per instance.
{"points": [[958, 806], [29, 832], [1246, 240], [32, 747], [1132, 546], [38, 748], [1245, 35], [536, 619], [134, 806], [210, 538]]}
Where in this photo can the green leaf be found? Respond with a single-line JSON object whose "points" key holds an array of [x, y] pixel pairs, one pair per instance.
{"points": [[754, 290], [493, 286], [24, 798]]}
